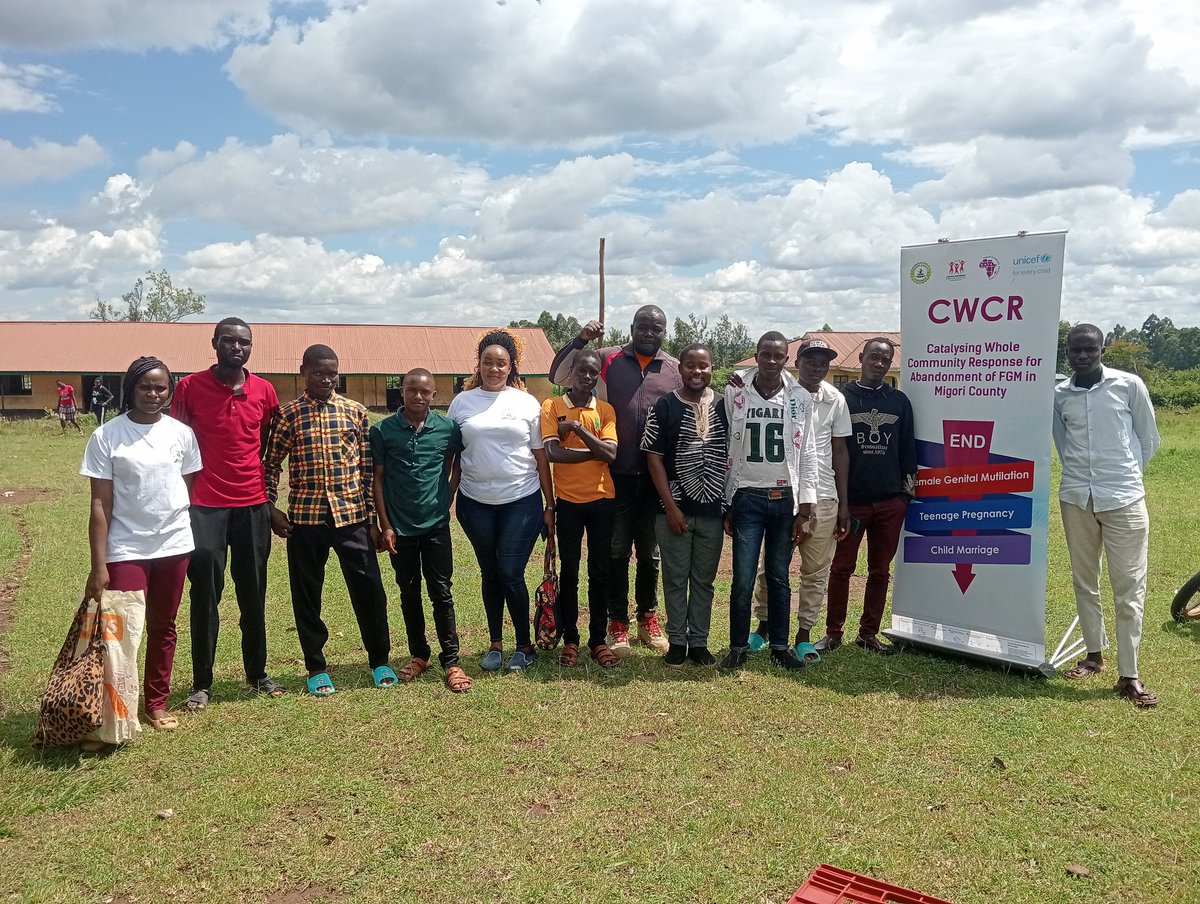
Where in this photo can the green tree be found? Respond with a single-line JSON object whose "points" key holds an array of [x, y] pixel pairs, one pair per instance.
{"points": [[558, 329], [685, 332], [152, 299], [1061, 365], [825, 329], [1126, 354], [728, 341], [616, 337]]}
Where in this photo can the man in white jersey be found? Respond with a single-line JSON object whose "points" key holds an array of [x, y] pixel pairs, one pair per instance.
{"points": [[770, 492], [831, 515]]}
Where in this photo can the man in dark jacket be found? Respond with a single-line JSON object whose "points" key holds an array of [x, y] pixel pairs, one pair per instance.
{"points": [[883, 469], [632, 378]]}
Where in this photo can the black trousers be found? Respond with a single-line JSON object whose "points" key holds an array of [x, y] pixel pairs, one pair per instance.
{"points": [[431, 554], [572, 520], [308, 550], [634, 513], [244, 534]]}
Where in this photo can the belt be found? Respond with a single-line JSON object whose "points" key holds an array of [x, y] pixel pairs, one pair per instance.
{"points": [[768, 492]]}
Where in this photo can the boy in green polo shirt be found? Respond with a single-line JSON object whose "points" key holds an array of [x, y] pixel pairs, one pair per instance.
{"points": [[413, 450]]}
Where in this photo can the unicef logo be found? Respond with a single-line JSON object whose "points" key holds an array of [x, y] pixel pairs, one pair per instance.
{"points": [[920, 273]]}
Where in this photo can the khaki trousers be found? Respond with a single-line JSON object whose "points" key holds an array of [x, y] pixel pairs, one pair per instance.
{"points": [[1122, 535], [816, 553]]}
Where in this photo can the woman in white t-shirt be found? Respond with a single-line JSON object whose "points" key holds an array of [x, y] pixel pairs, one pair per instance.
{"points": [[141, 465], [503, 478]]}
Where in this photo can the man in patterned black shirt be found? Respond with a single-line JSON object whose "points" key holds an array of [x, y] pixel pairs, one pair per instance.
{"points": [[326, 439]]}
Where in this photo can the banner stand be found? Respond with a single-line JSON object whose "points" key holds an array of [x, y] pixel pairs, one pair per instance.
{"points": [[1041, 670], [979, 319], [1062, 656]]}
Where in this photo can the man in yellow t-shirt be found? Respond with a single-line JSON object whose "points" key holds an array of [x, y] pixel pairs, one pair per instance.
{"points": [[580, 436]]}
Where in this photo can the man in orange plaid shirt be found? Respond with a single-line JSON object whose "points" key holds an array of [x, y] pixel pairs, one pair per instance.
{"points": [[326, 439]]}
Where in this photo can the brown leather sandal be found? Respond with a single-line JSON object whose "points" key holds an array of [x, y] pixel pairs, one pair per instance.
{"points": [[1084, 668], [569, 655], [457, 680], [414, 669], [1135, 692], [605, 658]]}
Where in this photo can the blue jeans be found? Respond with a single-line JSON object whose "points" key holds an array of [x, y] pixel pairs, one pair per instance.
{"points": [[503, 537], [759, 521]]}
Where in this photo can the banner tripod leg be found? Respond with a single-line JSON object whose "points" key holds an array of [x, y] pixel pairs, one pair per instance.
{"points": [[1066, 649]]}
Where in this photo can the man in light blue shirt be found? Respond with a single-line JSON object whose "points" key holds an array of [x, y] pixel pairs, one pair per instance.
{"points": [[1105, 433]]}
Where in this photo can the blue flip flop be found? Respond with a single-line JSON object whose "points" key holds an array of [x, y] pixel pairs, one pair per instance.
{"points": [[806, 652], [321, 685], [384, 676], [756, 642]]}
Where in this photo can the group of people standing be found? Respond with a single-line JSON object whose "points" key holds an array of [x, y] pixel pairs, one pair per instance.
{"points": [[639, 455], [778, 463]]}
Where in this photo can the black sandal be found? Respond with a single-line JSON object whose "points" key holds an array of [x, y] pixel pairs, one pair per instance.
{"points": [[267, 687]]}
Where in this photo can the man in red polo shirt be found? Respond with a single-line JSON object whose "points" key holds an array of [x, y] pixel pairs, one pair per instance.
{"points": [[229, 409]]}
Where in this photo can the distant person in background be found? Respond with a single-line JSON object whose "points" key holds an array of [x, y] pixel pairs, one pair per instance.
{"points": [[230, 410], [101, 398], [503, 478], [67, 409], [141, 465], [326, 439], [881, 482], [1105, 434], [632, 378]]}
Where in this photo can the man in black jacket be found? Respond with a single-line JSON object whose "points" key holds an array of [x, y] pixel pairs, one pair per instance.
{"points": [[632, 378], [883, 469]]}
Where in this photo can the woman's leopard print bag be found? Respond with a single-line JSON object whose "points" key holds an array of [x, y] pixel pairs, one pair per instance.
{"points": [[73, 705]]}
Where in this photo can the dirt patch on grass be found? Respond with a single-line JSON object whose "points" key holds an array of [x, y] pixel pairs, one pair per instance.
{"points": [[10, 585], [20, 497], [309, 894]]}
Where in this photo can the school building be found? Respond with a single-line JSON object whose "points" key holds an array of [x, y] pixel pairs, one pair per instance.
{"points": [[845, 367], [372, 358]]}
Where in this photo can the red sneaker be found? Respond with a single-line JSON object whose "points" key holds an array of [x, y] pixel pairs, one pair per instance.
{"points": [[617, 638], [651, 634]]}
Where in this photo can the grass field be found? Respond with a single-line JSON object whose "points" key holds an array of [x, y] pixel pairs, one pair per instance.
{"points": [[636, 785]]}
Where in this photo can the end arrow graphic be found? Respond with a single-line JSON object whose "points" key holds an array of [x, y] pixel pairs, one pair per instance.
{"points": [[966, 443], [963, 576]]}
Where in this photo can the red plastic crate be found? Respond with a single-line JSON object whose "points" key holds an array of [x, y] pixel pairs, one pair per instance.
{"points": [[830, 885]]}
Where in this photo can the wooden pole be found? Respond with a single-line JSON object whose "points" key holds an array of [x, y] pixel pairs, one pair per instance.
{"points": [[601, 318]]}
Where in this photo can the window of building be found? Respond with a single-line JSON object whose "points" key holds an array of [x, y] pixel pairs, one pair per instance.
{"points": [[16, 384], [840, 380]]}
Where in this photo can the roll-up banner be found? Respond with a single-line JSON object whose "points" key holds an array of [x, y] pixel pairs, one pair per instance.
{"points": [[979, 321]]}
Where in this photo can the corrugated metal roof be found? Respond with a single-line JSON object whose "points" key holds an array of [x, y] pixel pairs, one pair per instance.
{"points": [[847, 345], [95, 347]]}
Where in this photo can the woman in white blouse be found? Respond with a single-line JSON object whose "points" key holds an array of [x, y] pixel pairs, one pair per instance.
{"points": [[505, 494], [141, 465]]}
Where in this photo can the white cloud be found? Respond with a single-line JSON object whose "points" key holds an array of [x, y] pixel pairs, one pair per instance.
{"points": [[55, 271], [130, 24], [584, 74], [555, 73], [293, 187], [26, 87], [47, 160]]}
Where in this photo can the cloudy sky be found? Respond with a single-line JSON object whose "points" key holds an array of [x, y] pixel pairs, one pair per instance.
{"points": [[454, 161]]}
